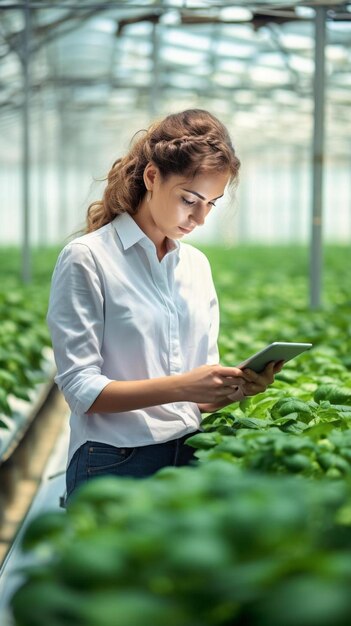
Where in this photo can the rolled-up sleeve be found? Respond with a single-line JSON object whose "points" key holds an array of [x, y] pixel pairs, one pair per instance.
{"points": [[76, 322]]}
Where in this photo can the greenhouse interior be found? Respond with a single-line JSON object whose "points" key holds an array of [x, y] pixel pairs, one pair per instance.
{"points": [[159, 158]]}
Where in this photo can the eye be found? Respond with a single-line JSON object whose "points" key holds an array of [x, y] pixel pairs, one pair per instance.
{"points": [[187, 201], [212, 204]]}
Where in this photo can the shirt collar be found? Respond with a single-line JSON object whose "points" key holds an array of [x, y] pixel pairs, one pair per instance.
{"points": [[130, 233]]}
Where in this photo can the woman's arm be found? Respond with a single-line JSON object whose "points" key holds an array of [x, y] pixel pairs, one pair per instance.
{"points": [[137, 394], [210, 383]]}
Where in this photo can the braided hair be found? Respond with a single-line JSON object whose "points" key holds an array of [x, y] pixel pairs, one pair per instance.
{"points": [[188, 143]]}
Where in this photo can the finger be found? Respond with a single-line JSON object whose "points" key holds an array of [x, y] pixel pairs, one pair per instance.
{"points": [[268, 370], [271, 369], [237, 396], [267, 376], [233, 381], [230, 371], [234, 391], [263, 379], [250, 375], [233, 396], [252, 389]]}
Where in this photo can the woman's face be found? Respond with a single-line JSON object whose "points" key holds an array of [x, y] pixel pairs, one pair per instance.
{"points": [[177, 204]]}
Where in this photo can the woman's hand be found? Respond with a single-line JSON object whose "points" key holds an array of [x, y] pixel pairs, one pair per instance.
{"points": [[212, 383], [250, 385], [257, 383]]}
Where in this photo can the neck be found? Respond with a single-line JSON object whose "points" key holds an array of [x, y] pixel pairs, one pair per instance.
{"points": [[147, 225]]}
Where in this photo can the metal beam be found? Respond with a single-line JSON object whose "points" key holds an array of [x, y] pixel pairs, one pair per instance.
{"points": [[25, 58], [316, 260]]}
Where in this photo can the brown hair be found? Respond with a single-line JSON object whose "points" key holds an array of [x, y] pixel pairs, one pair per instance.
{"points": [[186, 143]]}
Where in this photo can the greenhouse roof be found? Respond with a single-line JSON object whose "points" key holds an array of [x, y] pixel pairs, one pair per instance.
{"points": [[252, 63]]}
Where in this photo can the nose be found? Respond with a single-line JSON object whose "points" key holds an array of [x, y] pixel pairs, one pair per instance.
{"points": [[199, 213]]}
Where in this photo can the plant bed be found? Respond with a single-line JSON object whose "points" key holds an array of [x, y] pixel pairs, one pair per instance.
{"points": [[27, 366], [192, 547], [23, 411], [235, 539]]}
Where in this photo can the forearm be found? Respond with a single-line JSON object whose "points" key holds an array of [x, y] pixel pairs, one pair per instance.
{"points": [[211, 384], [129, 395]]}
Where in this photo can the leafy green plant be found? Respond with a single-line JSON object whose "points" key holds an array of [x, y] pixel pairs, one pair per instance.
{"points": [[23, 337], [311, 397], [285, 435], [192, 547], [23, 330], [276, 451]]}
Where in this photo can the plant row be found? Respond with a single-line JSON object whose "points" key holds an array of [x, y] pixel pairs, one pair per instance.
{"points": [[23, 331], [302, 423], [248, 535], [192, 547]]}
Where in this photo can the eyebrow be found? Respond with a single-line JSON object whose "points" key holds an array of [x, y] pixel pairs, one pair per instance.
{"points": [[200, 196]]}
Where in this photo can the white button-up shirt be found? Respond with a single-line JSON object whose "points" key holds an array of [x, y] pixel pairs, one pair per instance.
{"points": [[117, 313]]}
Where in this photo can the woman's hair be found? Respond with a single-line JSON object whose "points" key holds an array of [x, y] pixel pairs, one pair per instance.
{"points": [[188, 143]]}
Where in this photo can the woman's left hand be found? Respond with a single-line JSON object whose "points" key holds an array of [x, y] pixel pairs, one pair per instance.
{"points": [[258, 383], [254, 383]]}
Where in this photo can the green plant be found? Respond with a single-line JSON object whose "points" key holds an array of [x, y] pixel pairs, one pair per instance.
{"points": [[192, 547], [23, 330]]}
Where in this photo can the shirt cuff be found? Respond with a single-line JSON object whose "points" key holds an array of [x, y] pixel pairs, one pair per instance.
{"points": [[81, 396]]}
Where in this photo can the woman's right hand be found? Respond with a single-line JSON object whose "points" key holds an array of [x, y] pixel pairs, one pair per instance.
{"points": [[212, 383]]}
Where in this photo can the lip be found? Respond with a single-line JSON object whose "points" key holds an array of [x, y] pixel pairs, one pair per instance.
{"points": [[185, 230]]}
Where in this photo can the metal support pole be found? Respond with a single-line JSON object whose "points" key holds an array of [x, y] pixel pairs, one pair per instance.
{"points": [[318, 158], [155, 87], [25, 58], [42, 172], [297, 195], [62, 170]]}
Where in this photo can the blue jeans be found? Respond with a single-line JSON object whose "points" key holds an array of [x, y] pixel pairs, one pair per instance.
{"points": [[94, 459]]}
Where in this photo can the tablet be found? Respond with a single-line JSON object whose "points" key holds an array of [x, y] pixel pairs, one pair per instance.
{"points": [[277, 351]]}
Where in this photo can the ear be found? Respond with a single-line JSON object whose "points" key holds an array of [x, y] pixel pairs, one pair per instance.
{"points": [[151, 172]]}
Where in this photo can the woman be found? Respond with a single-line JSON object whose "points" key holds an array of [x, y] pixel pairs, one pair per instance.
{"points": [[133, 312]]}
